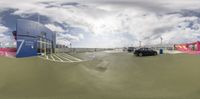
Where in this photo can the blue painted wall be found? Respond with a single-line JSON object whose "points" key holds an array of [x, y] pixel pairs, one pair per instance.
{"points": [[28, 33]]}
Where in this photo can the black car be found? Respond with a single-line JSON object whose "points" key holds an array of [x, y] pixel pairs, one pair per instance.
{"points": [[145, 52]]}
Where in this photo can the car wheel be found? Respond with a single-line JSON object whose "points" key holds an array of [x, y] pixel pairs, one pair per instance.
{"points": [[140, 54], [155, 54]]}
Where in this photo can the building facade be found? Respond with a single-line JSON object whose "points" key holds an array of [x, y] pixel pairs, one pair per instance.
{"points": [[33, 39]]}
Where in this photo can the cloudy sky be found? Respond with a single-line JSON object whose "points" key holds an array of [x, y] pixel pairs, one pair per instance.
{"points": [[107, 23]]}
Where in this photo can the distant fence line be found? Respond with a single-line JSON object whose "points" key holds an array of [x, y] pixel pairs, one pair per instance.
{"points": [[80, 50]]}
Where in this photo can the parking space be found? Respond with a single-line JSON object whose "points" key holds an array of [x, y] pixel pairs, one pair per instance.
{"points": [[61, 57]]}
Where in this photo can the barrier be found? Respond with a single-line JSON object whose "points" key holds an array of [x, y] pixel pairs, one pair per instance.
{"points": [[190, 48], [11, 52]]}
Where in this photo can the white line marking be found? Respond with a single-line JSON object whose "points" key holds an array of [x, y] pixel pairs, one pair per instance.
{"points": [[59, 61], [68, 58], [47, 57], [52, 57], [73, 57], [58, 57], [65, 58]]}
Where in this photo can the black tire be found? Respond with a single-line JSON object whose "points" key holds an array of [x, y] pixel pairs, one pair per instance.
{"points": [[140, 54], [155, 54]]}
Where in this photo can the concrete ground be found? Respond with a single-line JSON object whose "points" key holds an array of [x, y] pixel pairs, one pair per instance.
{"points": [[101, 75]]}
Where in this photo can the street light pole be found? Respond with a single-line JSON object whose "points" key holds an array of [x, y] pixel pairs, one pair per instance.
{"points": [[140, 42], [161, 41]]}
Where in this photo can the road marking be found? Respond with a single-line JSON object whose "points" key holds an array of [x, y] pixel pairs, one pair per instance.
{"points": [[47, 57], [73, 57], [65, 58], [58, 57], [52, 57], [60, 61], [69, 58]]}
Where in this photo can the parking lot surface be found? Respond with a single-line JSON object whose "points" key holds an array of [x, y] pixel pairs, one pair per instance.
{"points": [[101, 75]]}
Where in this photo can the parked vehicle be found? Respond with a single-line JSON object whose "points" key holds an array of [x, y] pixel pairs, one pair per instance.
{"points": [[145, 52]]}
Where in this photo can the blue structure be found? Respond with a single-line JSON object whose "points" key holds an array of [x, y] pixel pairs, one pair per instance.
{"points": [[34, 39]]}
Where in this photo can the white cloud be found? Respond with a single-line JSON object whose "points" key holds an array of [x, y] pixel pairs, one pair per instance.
{"points": [[54, 28], [6, 40], [3, 29], [81, 36], [117, 22], [65, 39]]}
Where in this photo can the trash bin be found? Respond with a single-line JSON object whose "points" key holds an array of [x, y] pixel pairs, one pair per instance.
{"points": [[161, 51]]}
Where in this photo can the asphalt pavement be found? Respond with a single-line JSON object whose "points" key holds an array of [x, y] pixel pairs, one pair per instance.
{"points": [[101, 75]]}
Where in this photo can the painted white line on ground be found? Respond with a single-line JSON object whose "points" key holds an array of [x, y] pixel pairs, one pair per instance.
{"points": [[47, 57], [59, 61], [73, 57], [65, 58], [58, 57], [52, 57]]}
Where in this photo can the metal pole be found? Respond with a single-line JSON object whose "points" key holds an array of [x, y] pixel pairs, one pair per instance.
{"points": [[41, 38], [161, 42], [140, 42]]}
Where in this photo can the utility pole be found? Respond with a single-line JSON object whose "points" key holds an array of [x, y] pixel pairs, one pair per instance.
{"points": [[161, 39], [161, 42], [161, 49], [140, 42]]}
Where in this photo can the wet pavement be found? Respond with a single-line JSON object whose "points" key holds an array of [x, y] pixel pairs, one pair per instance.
{"points": [[102, 76]]}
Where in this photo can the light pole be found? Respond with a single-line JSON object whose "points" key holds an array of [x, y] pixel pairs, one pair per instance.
{"points": [[161, 49], [140, 42], [161, 39], [161, 42]]}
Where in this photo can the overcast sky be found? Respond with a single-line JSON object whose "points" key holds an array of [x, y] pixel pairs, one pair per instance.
{"points": [[107, 23]]}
